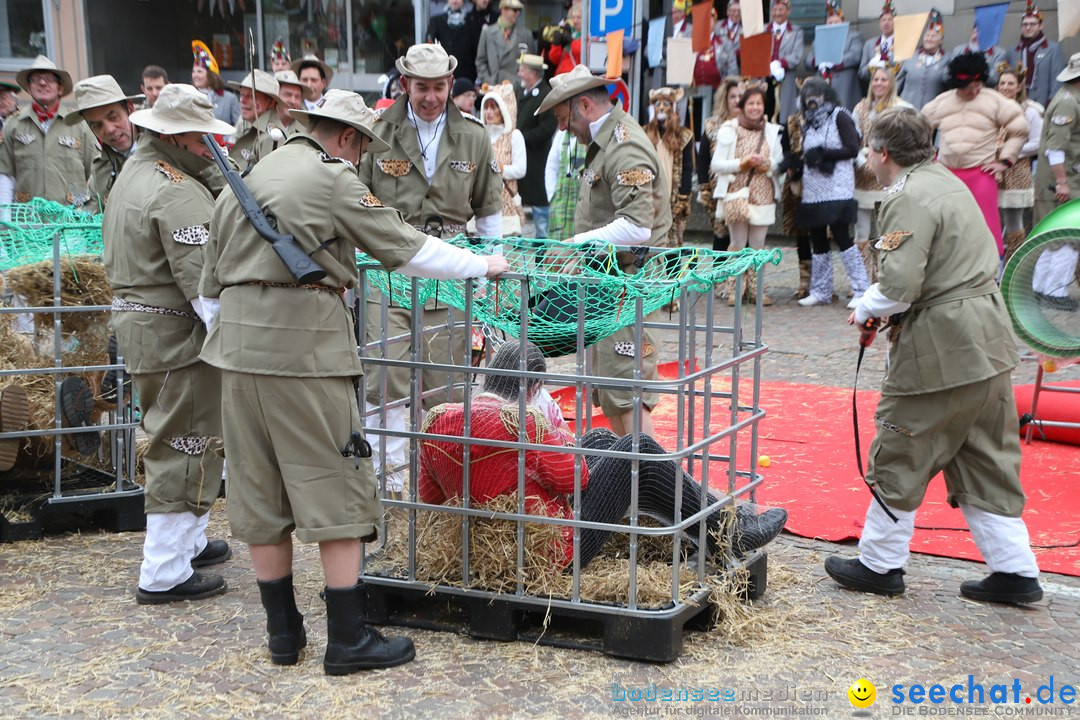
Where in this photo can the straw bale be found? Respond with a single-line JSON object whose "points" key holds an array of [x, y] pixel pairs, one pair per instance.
{"points": [[82, 282]]}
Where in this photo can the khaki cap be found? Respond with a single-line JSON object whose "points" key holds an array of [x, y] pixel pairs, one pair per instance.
{"points": [[345, 107], [532, 61], [264, 82], [1071, 71], [288, 77], [567, 85], [426, 62], [312, 61], [43, 63], [97, 91], [511, 5], [181, 108]]}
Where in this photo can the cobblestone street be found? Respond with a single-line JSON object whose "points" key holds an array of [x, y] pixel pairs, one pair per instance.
{"points": [[75, 643]]}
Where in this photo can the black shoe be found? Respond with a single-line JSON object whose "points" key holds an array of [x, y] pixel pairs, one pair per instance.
{"points": [[1003, 588], [755, 531], [216, 551], [853, 575], [353, 645], [196, 587], [284, 623], [77, 406]]}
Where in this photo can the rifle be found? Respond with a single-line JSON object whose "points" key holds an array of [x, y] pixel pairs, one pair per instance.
{"points": [[300, 265]]}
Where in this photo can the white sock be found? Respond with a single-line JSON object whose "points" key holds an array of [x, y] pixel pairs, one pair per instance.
{"points": [[1003, 542], [885, 545], [199, 532], [167, 550]]}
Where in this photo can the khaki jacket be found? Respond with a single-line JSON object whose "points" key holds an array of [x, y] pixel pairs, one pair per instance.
{"points": [[1060, 131], [103, 174], [253, 142], [156, 223], [622, 178], [55, 165], [466, 182], [291, 331], [938, 254]]}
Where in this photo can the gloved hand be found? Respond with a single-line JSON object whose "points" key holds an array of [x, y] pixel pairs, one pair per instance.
{"points": [[862, 158], [813, 157], [776, 70]]}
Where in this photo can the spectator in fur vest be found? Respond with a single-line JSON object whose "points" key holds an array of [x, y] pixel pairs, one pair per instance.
{"points": [[675, 147]]}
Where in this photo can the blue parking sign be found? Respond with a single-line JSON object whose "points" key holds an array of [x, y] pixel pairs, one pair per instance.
{"points": [[607, 16]]}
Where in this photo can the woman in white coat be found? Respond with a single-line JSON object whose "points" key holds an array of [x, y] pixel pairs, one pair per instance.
{"points": [[747, 185]]}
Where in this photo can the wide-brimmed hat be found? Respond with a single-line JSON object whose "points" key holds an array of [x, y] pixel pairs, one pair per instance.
{"points": [[181, 108], [312, 61], [97, 91], [567, 85], [535, 62], [511, 5], [288, 77], [426, 62], [1071, 71], [43, 63], [264, 82], [345, 107]]}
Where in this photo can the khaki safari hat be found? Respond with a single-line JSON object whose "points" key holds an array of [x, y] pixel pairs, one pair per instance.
{"points": [[345, 107], [43, 63], [1071, 71], [312, 61], [511, 5], [426, 62], [97, 91], [288, 77], [532, 61], [567, 85], [181, 108], [264, 82]]}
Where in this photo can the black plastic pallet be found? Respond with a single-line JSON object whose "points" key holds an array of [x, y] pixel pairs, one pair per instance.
{"points": [[89, 501], [647, 635]]}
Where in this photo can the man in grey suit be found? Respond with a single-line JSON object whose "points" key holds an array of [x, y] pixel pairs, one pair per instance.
{"points": [[880, 47], [787, 52], [501, 44], [1042, 59]]}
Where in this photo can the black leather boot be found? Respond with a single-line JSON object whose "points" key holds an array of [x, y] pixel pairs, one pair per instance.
{"points": [[352, 644], [284, 623]]}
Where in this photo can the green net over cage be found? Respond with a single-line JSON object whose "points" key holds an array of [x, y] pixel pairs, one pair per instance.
{"points": [[27, 231], [563, 278]]}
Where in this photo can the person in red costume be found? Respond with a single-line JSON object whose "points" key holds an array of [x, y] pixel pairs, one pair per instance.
{"points": [[565, 49], [494, 414]]}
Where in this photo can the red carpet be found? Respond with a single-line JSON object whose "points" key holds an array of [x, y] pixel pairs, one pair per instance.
{"points": [[807, 434]]}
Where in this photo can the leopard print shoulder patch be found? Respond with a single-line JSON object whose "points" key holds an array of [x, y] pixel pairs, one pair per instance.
{"points": [[191, 235], [893, 240], [636, 178], [394, 168], [621, 134], [370, 201], [174, 175], [331, 159], [462, 166]]}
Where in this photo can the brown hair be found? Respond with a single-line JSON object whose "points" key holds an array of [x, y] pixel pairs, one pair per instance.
{"points": [[749, 93], [155, 71], [905, 134]]}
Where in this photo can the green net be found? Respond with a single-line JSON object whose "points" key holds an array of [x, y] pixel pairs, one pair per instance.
{"points": [[572, 289], [27, 231]]}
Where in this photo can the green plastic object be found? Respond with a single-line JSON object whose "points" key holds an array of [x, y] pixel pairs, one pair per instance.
{"points": [[27, 231], [1028, 319], [564, 277]]}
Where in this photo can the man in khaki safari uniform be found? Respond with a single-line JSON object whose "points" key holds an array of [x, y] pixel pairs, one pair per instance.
{"points": [[107, 110], [947, 401], [156, 223], [291, 96], [258, 118], [439, 165], [298, 460], [41, 156], [621, 202]]}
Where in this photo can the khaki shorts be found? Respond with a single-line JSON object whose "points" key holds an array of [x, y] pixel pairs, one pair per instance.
{"points": [[181, 414], [970, 432], [440, 347], [285, 471], [616, 357]]}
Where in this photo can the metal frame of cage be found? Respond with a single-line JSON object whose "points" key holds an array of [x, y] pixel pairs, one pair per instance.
{"points": [[121, 424], [702, 439]]}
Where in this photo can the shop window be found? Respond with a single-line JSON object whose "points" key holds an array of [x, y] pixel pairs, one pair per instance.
{"points": [[22, 30]]}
